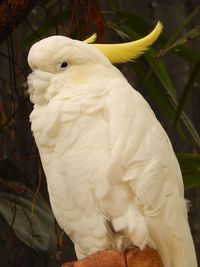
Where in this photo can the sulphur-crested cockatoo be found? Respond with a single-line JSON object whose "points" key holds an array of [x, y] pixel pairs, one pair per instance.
{"points": [[112, 175]]}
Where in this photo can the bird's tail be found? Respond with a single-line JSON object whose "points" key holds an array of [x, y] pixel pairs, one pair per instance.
{"points": [[175, 245]]}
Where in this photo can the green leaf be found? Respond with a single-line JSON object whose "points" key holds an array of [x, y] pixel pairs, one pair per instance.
{"points": [[154, 90], [35, 230], [172, 40], [140, 25], [34, 37], [190, 167], [44, 28], [156, 64], [159, 70], [186, 91], [135, 22], [184, 39], [187, 53]]}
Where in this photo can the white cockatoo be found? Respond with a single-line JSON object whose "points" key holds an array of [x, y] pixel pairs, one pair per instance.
{"points": [[112, 175]]}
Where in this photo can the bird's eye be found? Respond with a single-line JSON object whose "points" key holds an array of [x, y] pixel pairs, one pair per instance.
{"points": [[62, 66]]}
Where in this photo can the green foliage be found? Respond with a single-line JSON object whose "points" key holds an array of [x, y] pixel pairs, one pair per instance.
{"points": [[27, 213], [187, 90], [155, 77], [36, 229], [153, 72], [190, 167]]}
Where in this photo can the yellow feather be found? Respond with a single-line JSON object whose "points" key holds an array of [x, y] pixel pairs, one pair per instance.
{"points": [[118, 53], [91, 39]]}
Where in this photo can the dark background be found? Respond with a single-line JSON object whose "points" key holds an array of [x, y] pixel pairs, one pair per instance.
{"points": [[34, 239]]}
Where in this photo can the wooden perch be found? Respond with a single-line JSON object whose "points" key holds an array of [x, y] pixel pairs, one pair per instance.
{"points": [[131, 258], [12, 12]]}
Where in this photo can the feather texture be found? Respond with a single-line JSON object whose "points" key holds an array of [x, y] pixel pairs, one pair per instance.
{"points": [[119, 53], [91, 39], [112, 176]]}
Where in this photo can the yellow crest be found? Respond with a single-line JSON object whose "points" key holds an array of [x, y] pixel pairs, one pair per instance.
{"points": [[91, 39], [118, 53]]}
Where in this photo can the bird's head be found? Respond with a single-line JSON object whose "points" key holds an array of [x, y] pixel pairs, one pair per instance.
{"points": [[69, 61], [59, 62], [57, 53]]}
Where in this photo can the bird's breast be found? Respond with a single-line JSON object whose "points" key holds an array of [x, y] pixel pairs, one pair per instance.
{"points": [[75, 150], [76, 160]]}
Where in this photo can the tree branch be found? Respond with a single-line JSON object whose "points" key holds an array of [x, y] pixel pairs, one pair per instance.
{"points": [[12, 12], [131, 258]]}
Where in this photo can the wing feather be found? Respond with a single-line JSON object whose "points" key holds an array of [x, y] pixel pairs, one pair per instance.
{"points": [[143, 157]]}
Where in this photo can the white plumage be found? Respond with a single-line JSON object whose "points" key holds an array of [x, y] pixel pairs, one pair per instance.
{"points": [[112, 175]]}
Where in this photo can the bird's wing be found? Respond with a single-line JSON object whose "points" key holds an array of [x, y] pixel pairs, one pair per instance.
{"points": [[142, 156]]}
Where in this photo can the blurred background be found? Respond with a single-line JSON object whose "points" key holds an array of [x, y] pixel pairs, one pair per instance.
{"points": [[168, 76]]}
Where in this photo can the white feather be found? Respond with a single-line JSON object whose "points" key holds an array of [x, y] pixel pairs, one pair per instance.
{"points": [[111, 171]]}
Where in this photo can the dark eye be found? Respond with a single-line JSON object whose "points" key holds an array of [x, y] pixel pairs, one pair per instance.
{"points": [[62, 66]]}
